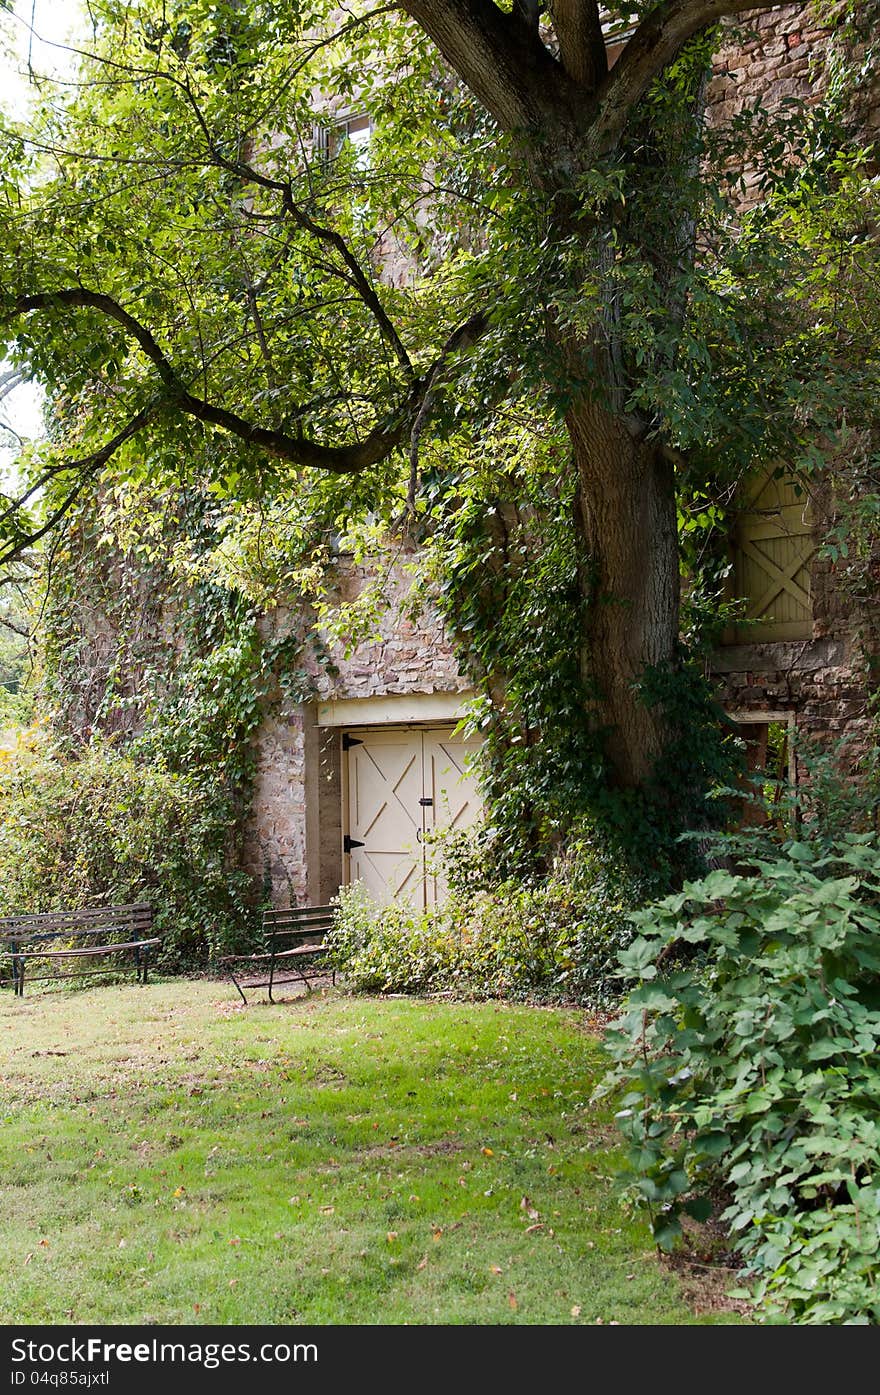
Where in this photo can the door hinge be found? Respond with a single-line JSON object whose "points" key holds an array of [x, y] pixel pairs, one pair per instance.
{"points": [[427, 803], [349, 843], [349, 741]]}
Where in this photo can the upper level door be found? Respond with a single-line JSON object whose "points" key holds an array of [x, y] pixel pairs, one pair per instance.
{"points": [[402, 786]]}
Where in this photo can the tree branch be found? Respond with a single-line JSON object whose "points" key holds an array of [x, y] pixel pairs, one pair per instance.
{"points": [[581, 41], [16, 629], [659, 37], [376, 446], [329, 236], [9, 382], [88, 466], [502, 60]]}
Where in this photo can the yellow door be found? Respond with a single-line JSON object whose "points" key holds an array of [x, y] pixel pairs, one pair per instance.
{"points": [[451, 786], [773, 550], [385, 823], [402, 786]]}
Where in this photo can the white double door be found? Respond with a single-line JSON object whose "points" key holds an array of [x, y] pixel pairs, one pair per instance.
{"points": [[402, 786]]}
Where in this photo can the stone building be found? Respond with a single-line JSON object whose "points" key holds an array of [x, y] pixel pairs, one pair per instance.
{"points": [[355, 777], [801, 663], [352, 782]]}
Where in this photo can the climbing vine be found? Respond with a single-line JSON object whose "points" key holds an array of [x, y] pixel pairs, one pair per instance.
{"points": [[157, 678], [503, 558]]}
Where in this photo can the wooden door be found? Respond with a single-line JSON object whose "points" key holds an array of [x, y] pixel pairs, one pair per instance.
{"points": [[403, 786], [385, 816], [451, 786], [773, 548]]}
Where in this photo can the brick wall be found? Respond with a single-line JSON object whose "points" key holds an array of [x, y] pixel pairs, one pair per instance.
{"points": [[823, 680]]}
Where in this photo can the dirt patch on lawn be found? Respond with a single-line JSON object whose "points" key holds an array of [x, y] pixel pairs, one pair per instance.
{"points": [[707, 1269]]}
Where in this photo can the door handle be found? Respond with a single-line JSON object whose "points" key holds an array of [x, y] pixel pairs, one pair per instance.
{"points": [[418, 835]]}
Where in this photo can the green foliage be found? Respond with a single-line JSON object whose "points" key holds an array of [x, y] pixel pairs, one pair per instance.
{"points": [[555, 939], [16, 694], [506, 566], [393, 950], [722, 331], [747, 1061], [105, 829]]}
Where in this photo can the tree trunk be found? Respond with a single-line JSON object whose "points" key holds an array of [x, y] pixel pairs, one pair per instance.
{"points": [[627, 519]]}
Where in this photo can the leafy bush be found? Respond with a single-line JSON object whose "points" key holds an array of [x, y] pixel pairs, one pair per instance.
{"points": [[554, 940], [15, 707], [390, 950], [748, 1057], [103, 829]]}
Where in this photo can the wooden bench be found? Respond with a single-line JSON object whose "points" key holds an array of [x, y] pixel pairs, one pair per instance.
{"points": [[294, 951], [67, 944]]}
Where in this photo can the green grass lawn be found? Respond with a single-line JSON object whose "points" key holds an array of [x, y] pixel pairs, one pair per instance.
{"points": [[170, 1156]]}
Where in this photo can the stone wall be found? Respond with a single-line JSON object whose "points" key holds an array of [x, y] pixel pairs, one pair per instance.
{"points": [[767, 57], [823, 680], [294, 831]]}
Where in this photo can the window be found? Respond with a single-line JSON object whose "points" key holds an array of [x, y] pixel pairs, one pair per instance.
{"points": [[353, 130]]}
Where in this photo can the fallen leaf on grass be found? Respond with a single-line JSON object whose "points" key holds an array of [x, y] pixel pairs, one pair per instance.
{"points": [[423, 1263], [530, 1229], [576, 1310], [526, 1205], [487, 1152], [511, 1301], [495, 1269]]}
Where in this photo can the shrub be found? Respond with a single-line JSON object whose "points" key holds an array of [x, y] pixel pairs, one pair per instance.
{"points": [[748, 1057], [390, 950], [554, 940], [103, 829]]}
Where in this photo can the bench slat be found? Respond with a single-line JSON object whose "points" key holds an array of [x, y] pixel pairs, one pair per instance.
{"points": [[86, 918], [81, 951]]}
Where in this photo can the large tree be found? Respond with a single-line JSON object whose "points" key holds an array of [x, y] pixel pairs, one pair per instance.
{"points": [[201, 276]]}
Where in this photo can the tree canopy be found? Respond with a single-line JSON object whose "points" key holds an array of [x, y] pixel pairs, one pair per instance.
{"points": [[543, 282]]}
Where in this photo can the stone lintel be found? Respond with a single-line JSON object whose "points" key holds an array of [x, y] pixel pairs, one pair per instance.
{"points": [[393, 709], [783, 656]]}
